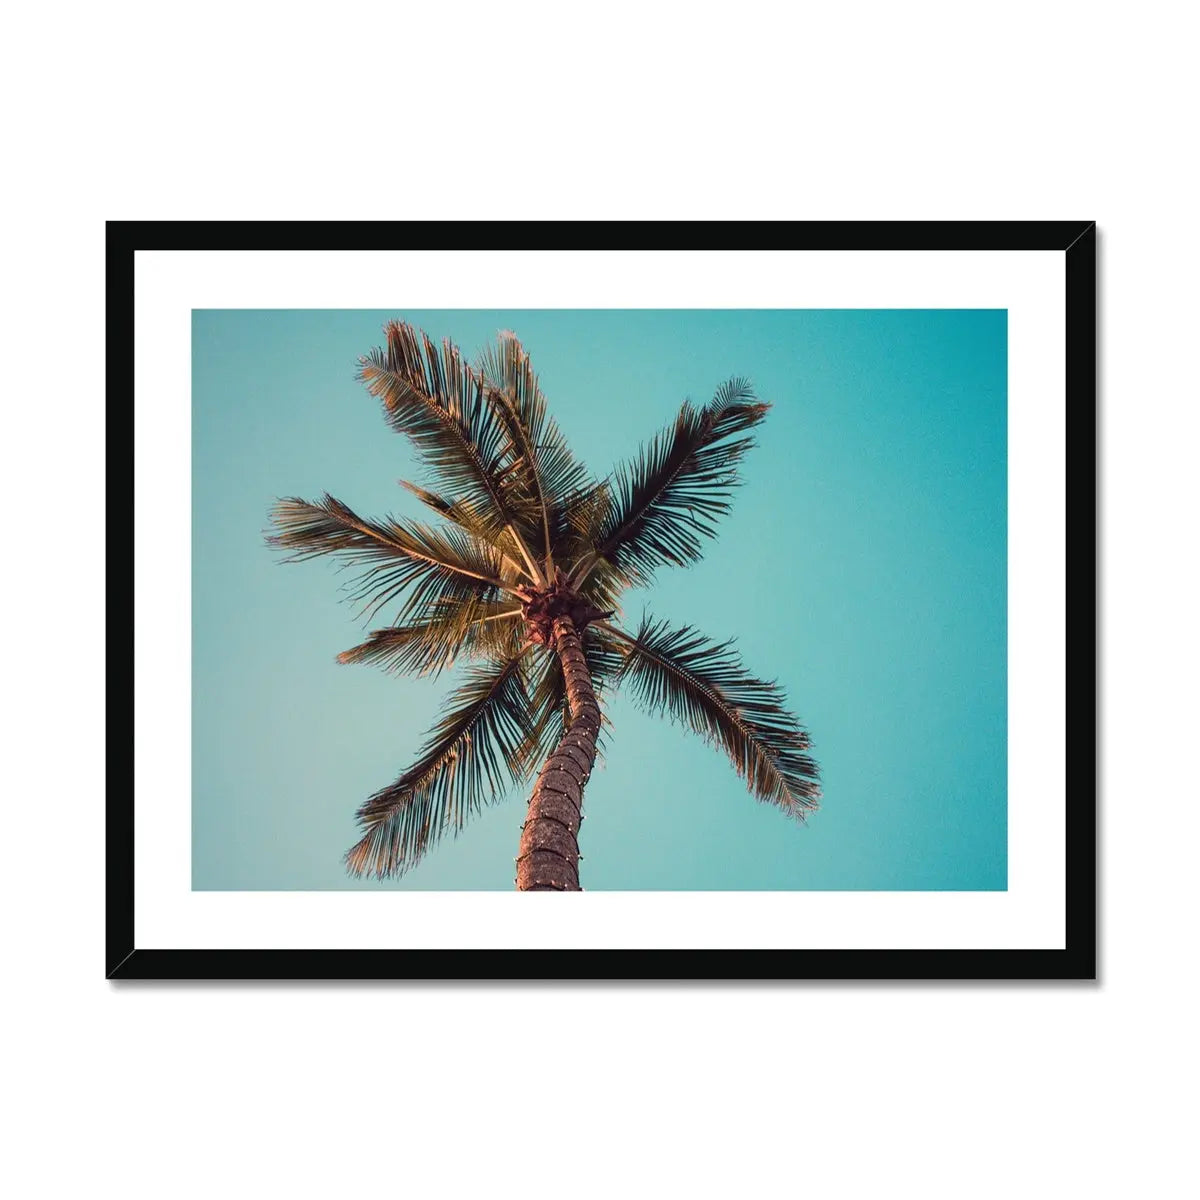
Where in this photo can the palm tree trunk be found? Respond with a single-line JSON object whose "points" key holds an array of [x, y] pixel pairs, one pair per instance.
{"points": [[549, 854]]}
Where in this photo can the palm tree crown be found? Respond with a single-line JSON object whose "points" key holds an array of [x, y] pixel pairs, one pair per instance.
{"points": [[527, 545]]}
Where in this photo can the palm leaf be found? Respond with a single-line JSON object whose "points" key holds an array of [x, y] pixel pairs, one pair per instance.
{"points": [[576, 525], [468, 518], [536, 447], [470, 758], [393, 557], [454, 422], [575, 530], [671, 495], [443, 634], [702, 684]]}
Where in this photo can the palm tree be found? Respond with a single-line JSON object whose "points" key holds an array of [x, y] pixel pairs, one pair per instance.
{"points": [[521, 578]]}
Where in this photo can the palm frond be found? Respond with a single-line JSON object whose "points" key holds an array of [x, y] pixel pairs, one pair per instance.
{"points": [[469, 760], [438, 401], [445, 633], [394, 558], [536, 448], [468, 518], [702, 684], [672, 493], [576, 525], [603, 586], [575, 530]]}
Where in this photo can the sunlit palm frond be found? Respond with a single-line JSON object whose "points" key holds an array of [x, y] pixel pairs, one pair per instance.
{"points": [[443, 406], [468, 518], [672, 493], [536, 449], [575, 531], [444, 634], [702, 684], [576, 526], [396, 560], [604, 586], [470, 758]]}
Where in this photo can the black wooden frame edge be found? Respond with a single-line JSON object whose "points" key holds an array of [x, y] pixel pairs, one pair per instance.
{"points": [[1077, 961], [803, 235], [119, 595], [614, 964], [1081, 595]]}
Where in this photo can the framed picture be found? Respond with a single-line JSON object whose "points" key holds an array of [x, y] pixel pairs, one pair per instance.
{"points": [[747, 594]]}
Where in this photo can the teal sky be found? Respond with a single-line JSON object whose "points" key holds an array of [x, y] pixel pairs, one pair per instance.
{"points": [[863, 565]]}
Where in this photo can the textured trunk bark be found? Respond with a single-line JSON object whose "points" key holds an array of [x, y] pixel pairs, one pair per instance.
{"points": [[549, 854]]}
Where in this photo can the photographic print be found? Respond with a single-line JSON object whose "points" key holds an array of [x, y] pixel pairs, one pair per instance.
{"points": [[605, 578], [739, 619]]}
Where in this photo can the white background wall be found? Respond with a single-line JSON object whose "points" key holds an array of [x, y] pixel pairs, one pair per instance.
{"points": [[911, 111]]}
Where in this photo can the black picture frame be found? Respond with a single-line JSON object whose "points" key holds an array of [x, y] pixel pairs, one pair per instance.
{"points": [[1076, 240]]}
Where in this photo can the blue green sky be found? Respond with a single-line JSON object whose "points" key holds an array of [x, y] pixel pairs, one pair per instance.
{"points": [[863, 565]]}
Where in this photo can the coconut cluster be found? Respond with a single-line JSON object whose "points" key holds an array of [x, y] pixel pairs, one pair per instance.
{"points": [[541, 607]]}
